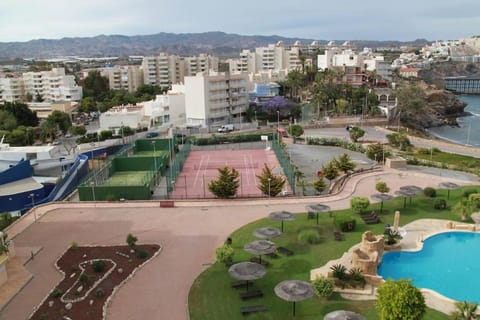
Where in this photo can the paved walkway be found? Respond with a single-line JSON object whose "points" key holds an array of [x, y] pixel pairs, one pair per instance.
{"points": [[188, 234]]}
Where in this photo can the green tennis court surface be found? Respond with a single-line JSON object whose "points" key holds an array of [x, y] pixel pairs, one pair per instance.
{"points": [[128, 178]]}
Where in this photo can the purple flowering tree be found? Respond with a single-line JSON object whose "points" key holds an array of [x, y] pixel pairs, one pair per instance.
{"points": [[276, 103]]}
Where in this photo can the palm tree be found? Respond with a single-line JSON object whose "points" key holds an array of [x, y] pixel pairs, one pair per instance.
{"points": [[465, 311]]}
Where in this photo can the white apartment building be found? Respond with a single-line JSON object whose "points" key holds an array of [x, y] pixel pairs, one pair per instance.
{"points": [[132, 116], [11, 89], [125, 78], [339, 58], [165, 70], [272, 57], [215, 98], [380, 66], [52, 86]]}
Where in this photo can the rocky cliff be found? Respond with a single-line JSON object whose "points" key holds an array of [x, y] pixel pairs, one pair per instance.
{"points": [[442, 108]]}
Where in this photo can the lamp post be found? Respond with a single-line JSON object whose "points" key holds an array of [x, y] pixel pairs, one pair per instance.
{"points": [[255, 115], [155, 162], [93, 193], [269, 179], [32, 196], [278, 119]]}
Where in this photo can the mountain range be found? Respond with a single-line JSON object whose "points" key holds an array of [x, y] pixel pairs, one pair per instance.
{"points": [[215, 43]]}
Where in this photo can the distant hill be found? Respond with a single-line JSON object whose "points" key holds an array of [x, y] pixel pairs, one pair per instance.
{"points": [[216, 43]]}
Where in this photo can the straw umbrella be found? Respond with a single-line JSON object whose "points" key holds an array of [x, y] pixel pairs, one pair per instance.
{"points": [[267, 233], [343, 315], [282, 216], [247, 271], [405, 193], [449, 186], [381, 197], [293, 291], [317, 208], [260, 247]]}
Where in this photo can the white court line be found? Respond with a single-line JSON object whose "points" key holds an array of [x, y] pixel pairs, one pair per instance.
{"points": [[198, 171], [205, 170], [254, 177], [245, 163]]}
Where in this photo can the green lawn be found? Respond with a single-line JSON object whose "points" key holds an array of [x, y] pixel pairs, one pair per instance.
{"points": [[451, 160], [211, 296], [128, 178]]}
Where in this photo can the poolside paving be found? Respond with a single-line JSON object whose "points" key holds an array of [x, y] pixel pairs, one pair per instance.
{"points": [[188, 234]]}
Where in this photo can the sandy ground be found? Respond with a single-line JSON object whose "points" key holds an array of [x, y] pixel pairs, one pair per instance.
{"points": [[188, 234]]}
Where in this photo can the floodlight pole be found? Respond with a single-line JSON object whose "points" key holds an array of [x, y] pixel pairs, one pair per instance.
{"points": [[155, 163], [92, 183], [269, 179], [32, 195]]}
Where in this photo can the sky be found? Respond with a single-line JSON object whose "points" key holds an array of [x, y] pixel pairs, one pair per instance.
{"points": [[404, 20]]}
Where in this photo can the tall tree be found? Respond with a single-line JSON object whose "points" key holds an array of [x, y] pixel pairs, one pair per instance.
{"points": [[7, 121], [411, 101], [270, 184], [227, 183], [61, 120], [21, 112], [95, 85]]}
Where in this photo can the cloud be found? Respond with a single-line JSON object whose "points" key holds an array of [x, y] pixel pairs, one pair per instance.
{"points": [[21, 20]]}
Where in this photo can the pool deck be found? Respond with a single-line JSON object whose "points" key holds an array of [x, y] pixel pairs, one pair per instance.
{"points": [[417, 231], [188, 234]]}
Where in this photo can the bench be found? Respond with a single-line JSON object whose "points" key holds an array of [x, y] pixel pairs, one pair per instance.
{"points": [[285, 251], [240, 284], [251, 309], [251, 294], [167, 204]]}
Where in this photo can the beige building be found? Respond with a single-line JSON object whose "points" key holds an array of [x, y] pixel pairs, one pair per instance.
{"points": [[125, 78]]}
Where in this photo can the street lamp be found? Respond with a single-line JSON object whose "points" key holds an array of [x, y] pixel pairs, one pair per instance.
{"points": [[278, 119], [93, 193], [269, 179], [255, 115], [155, 162], [32, 196]]}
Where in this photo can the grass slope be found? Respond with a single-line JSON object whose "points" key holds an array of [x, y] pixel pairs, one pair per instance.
{"points": [[211, 296]]}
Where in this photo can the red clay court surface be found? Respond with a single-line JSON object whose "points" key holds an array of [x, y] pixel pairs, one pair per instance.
{"points": [[201, 167]]}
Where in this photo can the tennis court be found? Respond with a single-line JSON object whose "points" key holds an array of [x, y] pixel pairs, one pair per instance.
{"points": [[128, 178], [201, 167]]}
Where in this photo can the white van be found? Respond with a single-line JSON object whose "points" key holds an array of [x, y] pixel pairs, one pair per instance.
{"points": [[226, 128]]}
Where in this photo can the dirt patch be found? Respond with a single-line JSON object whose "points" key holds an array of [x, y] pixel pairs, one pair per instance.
{"points": [[91, 276]]}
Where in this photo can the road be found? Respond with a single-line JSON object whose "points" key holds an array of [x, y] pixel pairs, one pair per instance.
{"points": [[379, 134]]}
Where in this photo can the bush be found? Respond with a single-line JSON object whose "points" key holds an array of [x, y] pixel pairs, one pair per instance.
{"points": [[99, 293], [339, 271], [141, 254], [98, 265], [345, 223], [83, 278], [400, 300], [74, 245], [440, 204], [225, 254], [323, 287], [430, 192], [56, 293], [468, 192], [309, 236], [359, 204]]}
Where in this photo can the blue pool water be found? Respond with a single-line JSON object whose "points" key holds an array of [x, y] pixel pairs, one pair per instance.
{"points": [[449, 264]]}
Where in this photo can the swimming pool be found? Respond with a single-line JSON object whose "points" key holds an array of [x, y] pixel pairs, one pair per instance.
{"points": [[449, 263]]}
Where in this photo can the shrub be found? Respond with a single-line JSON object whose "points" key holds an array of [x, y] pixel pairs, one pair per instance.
{"points": [[359, 204], [468, 192], [56, 293], [339, 271], [98, 265], [99, 293], [345, 223], [83, 278], [430, 192], [74, 245], [323, 287], [356, 278], [423, 150], [131, 241], [141, 254], [225, 254], [474, 198], [400, 300], [440, 204], [309, 236]]}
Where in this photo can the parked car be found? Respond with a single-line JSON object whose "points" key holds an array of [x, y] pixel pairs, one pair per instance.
{"points": [[226, 128], [55, 142], [152, 134]]}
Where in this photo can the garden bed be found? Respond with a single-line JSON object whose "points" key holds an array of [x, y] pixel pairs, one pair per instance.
{"points": [[91, 276]]}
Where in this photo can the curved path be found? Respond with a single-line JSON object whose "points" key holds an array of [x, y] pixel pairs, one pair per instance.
{"points": [[188, 233]]}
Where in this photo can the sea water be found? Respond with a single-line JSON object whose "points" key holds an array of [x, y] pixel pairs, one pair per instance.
{"points": [[468, 130]]}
